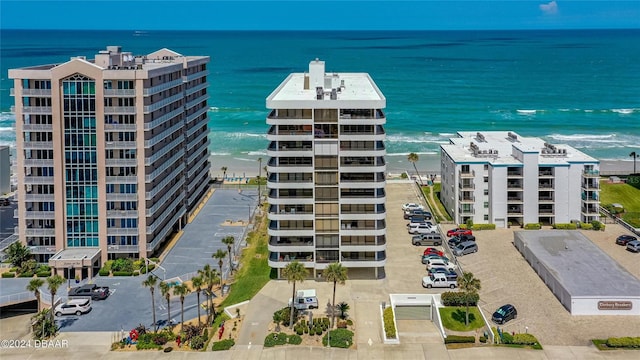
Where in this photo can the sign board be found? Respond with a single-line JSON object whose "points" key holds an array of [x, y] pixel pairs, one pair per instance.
{"points": [[615, 305]]}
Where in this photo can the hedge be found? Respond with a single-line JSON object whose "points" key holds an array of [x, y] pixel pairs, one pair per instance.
{"points": [[565, 226], [122, 273], [389, 325], [223, 345], [586, 226], [295, 339], [44, 274], [597, 225], [451, 298], [340, 338], [457, 339], [624, 342], [103, 272], [8, 275], [524, 339], [532, 226], [26, 274], [274, 339], [483, 227]]}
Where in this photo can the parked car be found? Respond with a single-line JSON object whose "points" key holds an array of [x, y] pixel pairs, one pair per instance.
{"points": [[427, 239], [459, 231], [633, 245], [438, 280], [426, 258], [431, 250], [5, 202], [422, 228], [416, 212], [624, 239], [454, 241], [75, 306], [465, 247], [96, 292], [419, 222], [504, 313], [442, 270], [411, 206], [440, 263]]}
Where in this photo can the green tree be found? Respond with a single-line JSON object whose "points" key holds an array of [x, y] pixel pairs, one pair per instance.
{"points": [[413, 158], [34, 286], [53, 283], [634, 155], [343, 307], [259, 181], [220, 255], [337, 274], [18, 254], [209, 278], [224, 172], [294, 271], [182, 291], [43, 326], [165, 290], [151, 282], [229, 241], [470, 285], [196, 285]]}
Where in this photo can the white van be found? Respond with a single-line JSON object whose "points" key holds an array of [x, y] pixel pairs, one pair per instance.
{"points": [[305, 299]]}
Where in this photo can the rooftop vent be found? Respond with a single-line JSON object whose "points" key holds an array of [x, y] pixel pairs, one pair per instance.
{"points": [[512, 136], [319, 93]]}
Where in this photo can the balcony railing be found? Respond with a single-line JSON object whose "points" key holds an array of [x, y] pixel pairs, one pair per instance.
{"points": [[123, 248], [108, 110], [466, 174], [32, 92], [36, 109], [158, 88], [591, 173], [119, 92], [466, 185], [50, 249]]}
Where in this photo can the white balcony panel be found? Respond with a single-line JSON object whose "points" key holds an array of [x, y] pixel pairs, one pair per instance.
{"points": [[363, 264], [289, 185], [290, 169], [358, 137], [292, 153], [123, 248], [362, 185], [281, 121], [121, 162], [36, 109], [33, 92], [44, 145], [363, 168], [51, 249], [39, 214], [378, 200], [290, 216], [194, 76], [162, 103], [289, 137], [119, 92], [116, 214], [39, 197], [283, 264], [38, 162], [121, 179], [158, 88], [120, 127], [38, 180], [291, 248], [37, 127], [292, 201], [376, 153], [363, 121], [40, 232], [368, 232], [359, 248], [109, 110], [369, 216], [273, 232], [122, 231]]}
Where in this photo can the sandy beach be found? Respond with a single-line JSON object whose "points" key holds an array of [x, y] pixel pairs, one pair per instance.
{"points": [[248, 166]]}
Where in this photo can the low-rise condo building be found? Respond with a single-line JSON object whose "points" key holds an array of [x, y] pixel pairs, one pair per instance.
{"points": [[112, 155], [326, 172], [503, 178]]}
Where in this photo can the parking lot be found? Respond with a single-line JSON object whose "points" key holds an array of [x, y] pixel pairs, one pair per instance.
{"points": [[507, 278]]}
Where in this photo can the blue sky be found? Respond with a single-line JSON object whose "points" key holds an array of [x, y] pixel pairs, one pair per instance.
{"points": [[318, 15]]}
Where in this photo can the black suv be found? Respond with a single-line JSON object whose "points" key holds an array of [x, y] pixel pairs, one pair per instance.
{"points": [[624, 239], [454, 241], [504, 313]]}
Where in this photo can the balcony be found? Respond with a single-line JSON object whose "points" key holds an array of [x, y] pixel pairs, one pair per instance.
{"points": [[122, 231], [281, 259], [30, 197], [162, 103], [117, 214], [466, 174], [514, 210], [591, 173], [545, 199], [32, 92], [466, 185], [31, 180], [40, 145], [194, 76], [119, 92], [466, 198], [545, 185], [590, 185], [113, 145], [36, 109], [37, 127], [48, 249], [38, 162], [123, 248], [110, 110], [40, 232], [120, 127], [37, 214], [121, 179], [514, 173], [164, 86], [121, 162]]}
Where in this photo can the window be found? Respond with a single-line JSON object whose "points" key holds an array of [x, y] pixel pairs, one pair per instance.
{"points": [[486, 191], [486, 179], [486, 217], [486, 204]]}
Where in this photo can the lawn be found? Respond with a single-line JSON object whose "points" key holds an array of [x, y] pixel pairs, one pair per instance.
{"points": [[453, 318], [436, 191], [623, 194], [254, 270]]}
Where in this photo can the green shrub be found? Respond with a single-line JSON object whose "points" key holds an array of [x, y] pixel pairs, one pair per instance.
{"points": [[13, 269], [340, 338], [597, 225], [108, 264], [319, 330], [223, 345], [295, 339], [137, 264], [43, 268], [326, 321], [532, 226], [586, 226], [155, 259], [524, 339], [624, 342], [389, 325], [299, 330], [197, 342], [26, 274], [451, 298], [43, 274], [274, 339], [483, 339], [103, 272], [283, 315], [462, 226], [507, 338], [496, 336], [205, 334], [483, 227], [149, 341], [565, 226], [9, 275], [469, 223], [457, 339], [349, 322], [122, 265], [122, 273]]}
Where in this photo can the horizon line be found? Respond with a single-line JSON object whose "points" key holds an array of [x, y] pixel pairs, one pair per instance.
{"points": [[335, 30]]}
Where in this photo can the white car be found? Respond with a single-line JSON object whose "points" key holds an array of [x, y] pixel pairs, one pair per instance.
{"points": [[411, 206], [75, 306], [440, 263], [422, 228]]}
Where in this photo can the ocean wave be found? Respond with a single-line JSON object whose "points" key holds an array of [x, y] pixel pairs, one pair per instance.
{"points": [[425, 138], [5, 116], [623, 111], [6, 129], [219, 153], [417, 153], [583, 137], [255, 153], [527, 112], [244, 159]]}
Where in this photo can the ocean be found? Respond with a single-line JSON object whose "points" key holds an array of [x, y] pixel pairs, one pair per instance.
{"points": [[580, 88]]}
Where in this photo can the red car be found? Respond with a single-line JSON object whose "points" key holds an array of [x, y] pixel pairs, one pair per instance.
{"points": [[458, 232], [431, 250]]}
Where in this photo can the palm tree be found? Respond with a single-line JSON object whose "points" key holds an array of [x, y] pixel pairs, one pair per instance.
{"points": [[634, 155], [413, 158], [220, 255], [18, 254], [259, 174], [335, 273], [470, 285], [224, 172], [294, 271], [53, 283], [196, 285], [181, 290], [151, 282], [165, 290], [34, 285], [210, 278], [229, 240]]}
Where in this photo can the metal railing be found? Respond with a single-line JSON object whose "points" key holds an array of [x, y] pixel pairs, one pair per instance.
{"points": [[619, 221]]}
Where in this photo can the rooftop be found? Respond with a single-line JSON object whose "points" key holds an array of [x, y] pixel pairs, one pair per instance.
{"points": [[579, 265], [498, 147]]}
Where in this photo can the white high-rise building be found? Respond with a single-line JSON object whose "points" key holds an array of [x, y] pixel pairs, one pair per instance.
{"points": [[326, 172], [500, 177], [112, 155]]}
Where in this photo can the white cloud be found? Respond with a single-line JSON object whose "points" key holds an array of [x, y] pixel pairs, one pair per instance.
{"points": [[550, 8]]}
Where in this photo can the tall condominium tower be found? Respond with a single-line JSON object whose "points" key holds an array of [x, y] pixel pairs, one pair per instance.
{"points": [[326, 172], [112, 155], [503, 178]]}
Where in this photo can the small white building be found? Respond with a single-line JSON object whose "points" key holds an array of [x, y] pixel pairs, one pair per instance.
{"points": [[503, 178], [583, 278]]}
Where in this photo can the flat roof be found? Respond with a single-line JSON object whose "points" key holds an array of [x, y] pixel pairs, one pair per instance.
{"points": [[503, 142], [76, 254], [357, 86], [580, 266]]}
